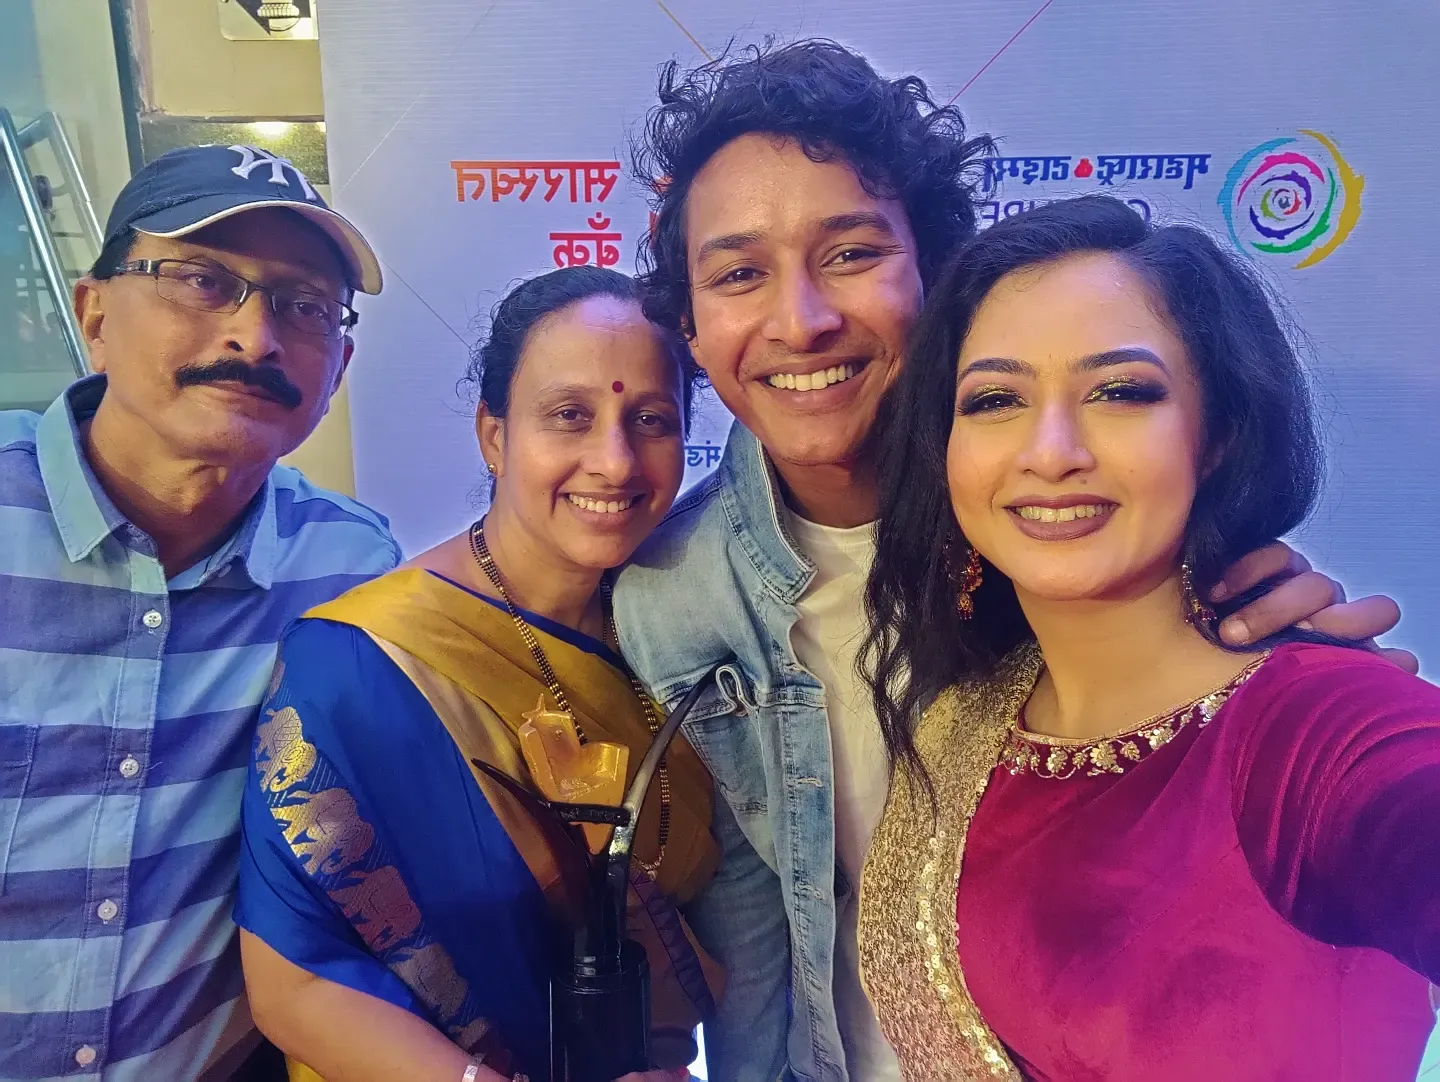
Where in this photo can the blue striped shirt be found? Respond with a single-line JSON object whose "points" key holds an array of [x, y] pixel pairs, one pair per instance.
{"points": [[127, 706]]}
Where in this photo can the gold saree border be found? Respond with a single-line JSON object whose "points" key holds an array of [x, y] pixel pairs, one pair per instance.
{"points": [[909, 948], [473, 646], [332, 841]]}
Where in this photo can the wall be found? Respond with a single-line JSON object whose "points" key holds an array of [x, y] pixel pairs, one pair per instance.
{"points": [[415, 88], [190, 69], [20, 83], [54, 58], [60, 58], [76, 50]]}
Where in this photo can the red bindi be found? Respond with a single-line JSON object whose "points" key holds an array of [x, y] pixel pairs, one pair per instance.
{"points": [[617, 386]]}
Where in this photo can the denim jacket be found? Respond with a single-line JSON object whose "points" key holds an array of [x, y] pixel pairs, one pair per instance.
{"points": [[720, 579]]}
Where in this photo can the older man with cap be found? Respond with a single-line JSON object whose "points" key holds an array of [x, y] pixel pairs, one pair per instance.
{"points": [[151, 552]]}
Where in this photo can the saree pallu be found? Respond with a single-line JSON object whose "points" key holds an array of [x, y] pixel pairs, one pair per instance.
{"points": [[376, 856]]}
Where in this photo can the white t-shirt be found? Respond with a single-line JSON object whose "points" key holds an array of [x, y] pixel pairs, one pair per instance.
{"points": [[826, 640]]}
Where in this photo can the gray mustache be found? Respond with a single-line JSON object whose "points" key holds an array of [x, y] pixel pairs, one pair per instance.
{"points": [[267, 377]]}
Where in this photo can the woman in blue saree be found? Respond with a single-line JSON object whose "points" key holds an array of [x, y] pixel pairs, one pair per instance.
{"points": [[399, 908]]}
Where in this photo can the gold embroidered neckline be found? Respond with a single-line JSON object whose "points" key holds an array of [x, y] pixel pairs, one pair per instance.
{"points": [[1060, 758]]}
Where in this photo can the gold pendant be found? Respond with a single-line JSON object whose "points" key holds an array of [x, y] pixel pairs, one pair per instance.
{"points": [[566, 770]]}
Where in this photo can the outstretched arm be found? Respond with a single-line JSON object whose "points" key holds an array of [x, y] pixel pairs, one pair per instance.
{"points": [[1339, 798]]}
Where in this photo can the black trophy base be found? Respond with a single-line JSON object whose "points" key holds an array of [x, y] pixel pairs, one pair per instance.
{"points": [[600, 1024]]}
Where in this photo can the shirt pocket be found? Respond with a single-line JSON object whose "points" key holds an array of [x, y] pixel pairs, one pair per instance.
{"points": [[722, 730], [17, 757]]}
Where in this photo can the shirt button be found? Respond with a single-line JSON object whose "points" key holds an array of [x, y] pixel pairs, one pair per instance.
{"points": [[152, 619], [106, 910], [129, 767], [84, 1055]]}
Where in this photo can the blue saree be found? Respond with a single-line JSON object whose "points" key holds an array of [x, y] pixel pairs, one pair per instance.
{"points": [[375, 856]]}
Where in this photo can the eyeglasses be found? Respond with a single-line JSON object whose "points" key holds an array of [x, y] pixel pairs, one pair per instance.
{"points": [[207, 288]]}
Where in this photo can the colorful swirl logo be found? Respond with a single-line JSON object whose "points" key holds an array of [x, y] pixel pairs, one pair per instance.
{"points": [[1291, 196]]}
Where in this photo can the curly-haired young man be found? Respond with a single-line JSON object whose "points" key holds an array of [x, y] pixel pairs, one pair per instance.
{"points": [[804, 202]]}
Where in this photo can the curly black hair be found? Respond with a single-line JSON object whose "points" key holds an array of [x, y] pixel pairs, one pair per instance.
{"points": [[1259, 427], [901, 144]]}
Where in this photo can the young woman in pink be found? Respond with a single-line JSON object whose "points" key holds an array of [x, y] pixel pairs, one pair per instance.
{"points": [[1116, 848]]}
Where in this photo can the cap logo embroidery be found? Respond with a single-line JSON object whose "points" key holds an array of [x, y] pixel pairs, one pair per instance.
{"points": [[252, 158]]}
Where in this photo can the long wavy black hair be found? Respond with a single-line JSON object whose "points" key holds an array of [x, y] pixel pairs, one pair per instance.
{"points": [[1259, 433], [901, 144]]}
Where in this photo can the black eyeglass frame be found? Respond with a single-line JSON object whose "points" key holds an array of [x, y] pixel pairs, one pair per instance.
{"points": [[151, 268]]}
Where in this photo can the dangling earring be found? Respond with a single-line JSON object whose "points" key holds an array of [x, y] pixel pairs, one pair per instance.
{"points": [[1196, 611], [969, 581], [966, 581]]}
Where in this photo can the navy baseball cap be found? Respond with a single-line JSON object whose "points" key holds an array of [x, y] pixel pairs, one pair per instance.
{"points": [[191, 187]]}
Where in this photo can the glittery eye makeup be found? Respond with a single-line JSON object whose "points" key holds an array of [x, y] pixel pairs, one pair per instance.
{"points": [[987, 399]]}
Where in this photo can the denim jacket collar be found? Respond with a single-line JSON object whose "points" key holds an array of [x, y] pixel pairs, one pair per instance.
{"points": [[749, 492]]}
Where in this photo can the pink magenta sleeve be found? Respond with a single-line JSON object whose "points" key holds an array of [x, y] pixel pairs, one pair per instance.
{"points": [[1337, 801]]}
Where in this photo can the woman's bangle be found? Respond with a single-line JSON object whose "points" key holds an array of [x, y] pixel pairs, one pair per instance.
{"points": [[472, 1072]]}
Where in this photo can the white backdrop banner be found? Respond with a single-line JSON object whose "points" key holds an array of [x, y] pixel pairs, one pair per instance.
{"points": [[479, 142]]}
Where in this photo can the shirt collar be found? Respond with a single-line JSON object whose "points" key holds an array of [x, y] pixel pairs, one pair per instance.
{"points": [[85, 515], [260, 551], [253, 545]]}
